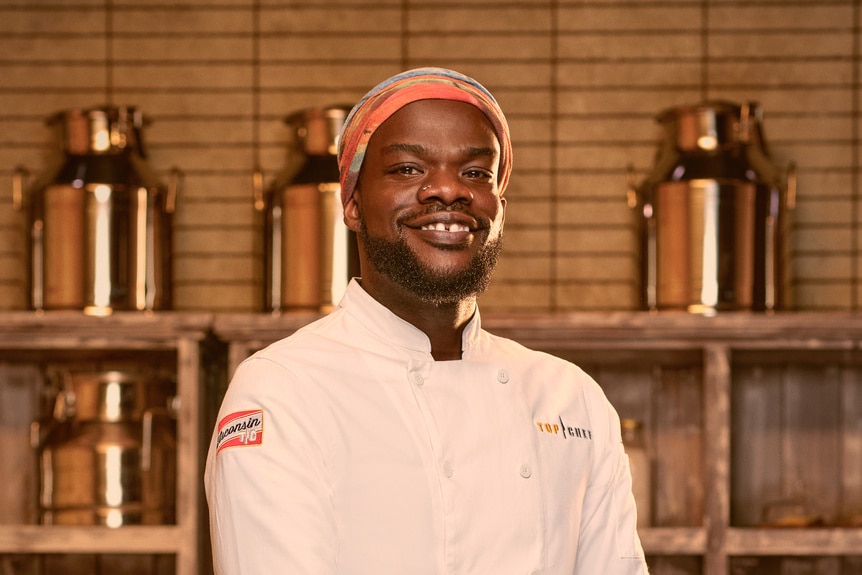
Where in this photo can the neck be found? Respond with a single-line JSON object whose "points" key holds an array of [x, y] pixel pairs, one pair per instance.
{"points": [[443, 324]]}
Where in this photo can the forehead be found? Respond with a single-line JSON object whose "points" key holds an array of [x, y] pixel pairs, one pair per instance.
{"points": [[437, 118]]}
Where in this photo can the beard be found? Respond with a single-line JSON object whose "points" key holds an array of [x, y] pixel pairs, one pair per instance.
{"points": [[399, 263]]}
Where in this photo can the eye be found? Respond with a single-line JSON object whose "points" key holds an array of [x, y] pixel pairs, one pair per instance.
{"points": [[405, 169], [479, 174]]}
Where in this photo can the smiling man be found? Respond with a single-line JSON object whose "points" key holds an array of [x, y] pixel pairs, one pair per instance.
{"points": [[428, 212], [395, 435]]}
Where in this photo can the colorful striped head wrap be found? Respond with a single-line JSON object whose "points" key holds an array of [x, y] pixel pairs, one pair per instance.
{"points": [[396, 92]]}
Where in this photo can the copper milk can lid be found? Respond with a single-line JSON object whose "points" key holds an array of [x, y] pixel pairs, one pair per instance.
{"points": [[99, 130], [112, 396], [317, 129], [710, 126]]}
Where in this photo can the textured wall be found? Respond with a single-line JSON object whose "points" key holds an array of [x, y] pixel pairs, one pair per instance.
{"points": [[581, 82]]}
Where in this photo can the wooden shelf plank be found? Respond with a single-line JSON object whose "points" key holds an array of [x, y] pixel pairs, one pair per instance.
{"points": [[121, 330], [716, 454], [639, 330], [818, 541], [23, 329], [89, 539], [666, 330], [673, 540]]}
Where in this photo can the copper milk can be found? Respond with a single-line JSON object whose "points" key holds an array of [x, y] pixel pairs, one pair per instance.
{"points": [[714, 213], [107, 454], [100, 221], [310, 255]]}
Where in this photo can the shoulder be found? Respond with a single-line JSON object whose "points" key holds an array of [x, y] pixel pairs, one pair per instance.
{"points": [[546, 375], [322, 337], [532, 359]]}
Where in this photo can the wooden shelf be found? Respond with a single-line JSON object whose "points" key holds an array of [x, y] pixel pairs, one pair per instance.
{"points": [[72, 336], [687, 376]]}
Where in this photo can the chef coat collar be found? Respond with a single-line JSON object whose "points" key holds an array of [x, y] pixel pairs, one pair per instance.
{"points": [[393, 330]]}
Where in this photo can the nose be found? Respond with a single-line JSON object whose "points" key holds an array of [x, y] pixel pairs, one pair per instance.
{"points": [[445, 187]]}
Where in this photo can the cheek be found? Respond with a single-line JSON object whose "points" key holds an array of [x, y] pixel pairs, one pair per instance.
{"points": [[383, 208], [374, 221], [497, 213]]}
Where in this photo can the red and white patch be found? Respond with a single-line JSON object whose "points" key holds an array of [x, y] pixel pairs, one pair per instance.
{"points": [[240, 429]]}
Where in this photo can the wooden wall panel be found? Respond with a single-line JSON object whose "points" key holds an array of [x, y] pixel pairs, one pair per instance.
{"points": [[581, 83]]}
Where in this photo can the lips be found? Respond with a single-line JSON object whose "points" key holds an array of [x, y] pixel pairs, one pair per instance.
{"points": [[445, 227], [443, 221]]}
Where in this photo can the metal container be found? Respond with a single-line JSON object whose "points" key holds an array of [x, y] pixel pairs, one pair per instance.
{"points": [[100, 221], [107, 454], [310, 255], [713, 213]]}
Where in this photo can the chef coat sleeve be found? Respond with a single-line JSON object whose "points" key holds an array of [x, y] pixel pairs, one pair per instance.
{"points": [[269, 504], [608, 541]]}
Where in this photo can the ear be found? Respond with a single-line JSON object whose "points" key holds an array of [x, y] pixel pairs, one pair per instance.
{"points": [[352, 212]]}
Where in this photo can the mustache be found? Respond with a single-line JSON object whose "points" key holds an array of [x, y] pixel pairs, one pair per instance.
{"points": [[437, 207]]}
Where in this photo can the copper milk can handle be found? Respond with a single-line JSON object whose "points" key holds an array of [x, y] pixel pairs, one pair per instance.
{"points": [[790, 201], [631, 187], [19, 180], [257, 189], [37, 435], [174, 185], [64, 408], [745, 122], [147, 433]]}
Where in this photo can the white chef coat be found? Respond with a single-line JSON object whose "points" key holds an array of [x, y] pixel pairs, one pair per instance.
{"points": [[346, 449]]}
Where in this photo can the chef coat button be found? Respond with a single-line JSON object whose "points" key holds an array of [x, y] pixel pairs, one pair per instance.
{"points": [[418, 379], [503, 376], [448, 471], [525, 471]]}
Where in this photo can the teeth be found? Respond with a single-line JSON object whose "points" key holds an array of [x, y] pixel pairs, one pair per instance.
{"points": [[441, 227]]}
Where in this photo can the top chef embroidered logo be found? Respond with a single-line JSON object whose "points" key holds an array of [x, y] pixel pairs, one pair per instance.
{"points": [[565, 431], [240, 429]]}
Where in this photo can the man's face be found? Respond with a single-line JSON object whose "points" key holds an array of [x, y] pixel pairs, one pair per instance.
{"points": [[427, 208]]}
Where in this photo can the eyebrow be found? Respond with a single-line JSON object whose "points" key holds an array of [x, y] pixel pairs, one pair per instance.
{"points": [[418, 149], [412, 148]]}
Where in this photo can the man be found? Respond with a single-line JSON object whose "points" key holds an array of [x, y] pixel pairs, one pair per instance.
{"points": [[395, 436]]}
